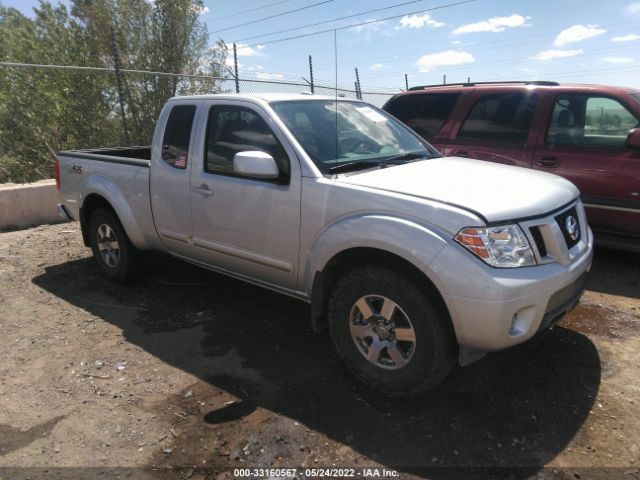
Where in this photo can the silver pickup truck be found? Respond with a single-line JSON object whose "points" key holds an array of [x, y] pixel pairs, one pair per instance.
{"points": [[416, 262]]}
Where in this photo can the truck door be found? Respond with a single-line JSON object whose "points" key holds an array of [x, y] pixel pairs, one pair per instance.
{"points": [[585, 143], [170, 191], [247, 226], [496, 128]]}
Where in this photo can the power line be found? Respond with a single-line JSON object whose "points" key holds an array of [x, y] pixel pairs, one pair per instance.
{"points": [[107, 69], [275, 81], [484, 46], [329, 21], [249, 11], [274, 16], [368, 22]]}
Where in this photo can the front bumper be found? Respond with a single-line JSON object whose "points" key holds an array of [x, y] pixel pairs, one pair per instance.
{"points": [[492, 309]]}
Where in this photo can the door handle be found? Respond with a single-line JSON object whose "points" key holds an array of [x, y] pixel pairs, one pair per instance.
{"points": [[549, 162], [460, 153], [202, 190]]}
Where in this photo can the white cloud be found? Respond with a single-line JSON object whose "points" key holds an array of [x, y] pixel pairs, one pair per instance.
{"points": [[245, 50], [626, 38], [633, 8], [268, 76], [418, 21], [577, 33], [617, 60], [494, 24], [433, 61], [551, 54], [202, 10], [377, 66]]}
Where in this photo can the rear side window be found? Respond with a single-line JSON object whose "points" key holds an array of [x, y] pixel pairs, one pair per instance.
{"points": [[231, 130], [589, 121], [177, 135], [505, 117], [424, 113]]}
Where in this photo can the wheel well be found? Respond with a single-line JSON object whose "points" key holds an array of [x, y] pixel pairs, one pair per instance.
{"points": [[90, 205], [352, 258]]}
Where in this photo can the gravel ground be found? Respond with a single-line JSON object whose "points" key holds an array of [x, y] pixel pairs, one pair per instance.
{"points": [[188, 374]]}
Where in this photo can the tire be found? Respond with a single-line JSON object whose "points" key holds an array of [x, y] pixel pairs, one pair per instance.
{"points": [[404, 353], [111, 247]]}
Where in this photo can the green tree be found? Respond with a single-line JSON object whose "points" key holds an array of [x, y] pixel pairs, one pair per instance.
{"points": [[45, 110]]}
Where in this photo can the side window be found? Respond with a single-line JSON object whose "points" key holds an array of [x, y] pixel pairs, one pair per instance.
{"points": [[177, 134], [237, 129], [424, 113], [504, 117], [589, 121]]}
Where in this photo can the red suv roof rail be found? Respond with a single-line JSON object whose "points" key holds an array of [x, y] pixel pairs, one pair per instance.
{"points": [[543, 83]]}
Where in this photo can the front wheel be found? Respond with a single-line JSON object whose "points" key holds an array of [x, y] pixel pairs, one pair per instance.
{"points": [[390, 333], [111, 246]]}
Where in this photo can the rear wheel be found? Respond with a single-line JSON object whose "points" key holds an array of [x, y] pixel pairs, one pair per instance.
{"points": [[111, 246], [390, 333]]}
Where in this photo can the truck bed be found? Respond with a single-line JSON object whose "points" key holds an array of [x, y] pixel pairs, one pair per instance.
{"points": [[120, 175], [137, 156]]}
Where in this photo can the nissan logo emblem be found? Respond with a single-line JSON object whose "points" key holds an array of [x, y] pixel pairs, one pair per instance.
{"points": [[571, 226]]}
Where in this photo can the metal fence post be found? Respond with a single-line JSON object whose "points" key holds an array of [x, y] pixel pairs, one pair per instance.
{"points": [[406, 81], [311, 75], [116, 66], [235, 66]]}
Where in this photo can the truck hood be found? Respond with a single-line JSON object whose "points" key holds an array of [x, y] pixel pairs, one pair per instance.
{"points": [[496, 192]]}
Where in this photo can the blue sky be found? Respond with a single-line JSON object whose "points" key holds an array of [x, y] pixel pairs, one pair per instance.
{"points": [[586, 41]]}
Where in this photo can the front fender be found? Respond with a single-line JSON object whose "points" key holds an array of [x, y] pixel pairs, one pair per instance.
{"points": [[405, 238], [106, 188]]}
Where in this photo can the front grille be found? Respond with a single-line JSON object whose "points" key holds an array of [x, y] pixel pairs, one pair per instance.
{"points": [[566, 293], [537, 237], [561, 219]]}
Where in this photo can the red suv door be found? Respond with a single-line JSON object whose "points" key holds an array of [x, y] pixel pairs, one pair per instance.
{"points": [[585, 142], [496, 127]]}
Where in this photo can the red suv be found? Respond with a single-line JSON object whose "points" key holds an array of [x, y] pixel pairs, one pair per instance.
{"points": [[586, 133]]}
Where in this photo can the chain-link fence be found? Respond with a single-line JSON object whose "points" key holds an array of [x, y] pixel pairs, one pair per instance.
{"points": [[45, 109]]}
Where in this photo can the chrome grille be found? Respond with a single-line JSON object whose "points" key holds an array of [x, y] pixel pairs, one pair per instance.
{"points": [[564, 294]]}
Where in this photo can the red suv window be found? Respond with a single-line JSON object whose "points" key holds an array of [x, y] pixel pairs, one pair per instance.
{"points": [[424, 113], [502, 117], [589, 120]]}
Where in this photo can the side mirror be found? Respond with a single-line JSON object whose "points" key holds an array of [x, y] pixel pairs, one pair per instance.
{"points": [[255, 165], [633, 139]]}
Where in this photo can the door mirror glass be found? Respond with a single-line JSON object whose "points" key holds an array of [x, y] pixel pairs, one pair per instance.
{"points": [[633, 139], [255, 164]]}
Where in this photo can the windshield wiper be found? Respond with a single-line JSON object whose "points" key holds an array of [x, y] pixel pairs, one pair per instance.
{"points": [[355, 165], [363, 164], [406, 157]]}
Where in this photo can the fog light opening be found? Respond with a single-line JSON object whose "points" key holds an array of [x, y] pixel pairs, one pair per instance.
{"points": [[513, 330]]}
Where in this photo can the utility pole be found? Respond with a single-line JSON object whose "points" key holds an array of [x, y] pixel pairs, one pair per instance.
{"points": [[116, 66], [235, 66], [358, 88], [311, 74], [406, 81]]}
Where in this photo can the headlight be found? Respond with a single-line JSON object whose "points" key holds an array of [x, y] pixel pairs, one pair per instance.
{"points": [[504, 246]]}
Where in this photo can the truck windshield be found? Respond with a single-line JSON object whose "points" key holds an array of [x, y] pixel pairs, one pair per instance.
{"points": [[345, 135]]}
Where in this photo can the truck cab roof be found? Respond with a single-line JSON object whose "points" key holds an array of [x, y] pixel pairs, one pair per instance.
{"points": [[260, 97]]}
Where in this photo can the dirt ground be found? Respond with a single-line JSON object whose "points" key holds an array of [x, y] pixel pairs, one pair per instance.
{"points": [[188, 374]]}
